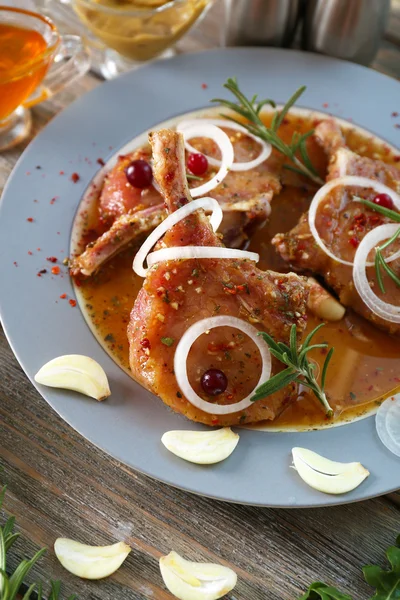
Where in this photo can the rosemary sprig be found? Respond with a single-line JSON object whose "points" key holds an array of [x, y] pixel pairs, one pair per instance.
{"points": [[250, 110], [10, 584], [299, 368], [380, 263], [387, 212]]}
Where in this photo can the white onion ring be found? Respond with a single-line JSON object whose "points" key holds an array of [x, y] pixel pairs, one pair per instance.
{"points": [[224, 144], [388, 424], [352, 180], [182, 351], [173, 219], [266, 148], [389, 312], [186, 252]]}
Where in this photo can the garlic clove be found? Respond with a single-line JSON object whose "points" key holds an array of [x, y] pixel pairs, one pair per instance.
{"points": [[75, 372], [90, 562], [201, 447], [196, 581], [326, 475]]}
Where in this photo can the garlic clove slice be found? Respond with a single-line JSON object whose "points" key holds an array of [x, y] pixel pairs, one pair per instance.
{"points": [[327, 475], [201, 447], [75, 372], [90, 562], [196, 581]]}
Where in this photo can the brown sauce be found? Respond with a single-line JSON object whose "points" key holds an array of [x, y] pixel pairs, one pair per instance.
{"points": [[365, 367]]}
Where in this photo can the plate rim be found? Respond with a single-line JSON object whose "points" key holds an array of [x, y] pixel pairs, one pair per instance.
{"points": [[10, 182]]}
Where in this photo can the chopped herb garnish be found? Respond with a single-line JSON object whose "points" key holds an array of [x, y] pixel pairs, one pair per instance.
{"points": [[299, 368], [166, 150], [250, 110], [195, 273], [109, 338], [167, 341], [353, 395]]}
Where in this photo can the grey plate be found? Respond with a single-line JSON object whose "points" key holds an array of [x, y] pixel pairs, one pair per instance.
{"points": [[41, 326]]}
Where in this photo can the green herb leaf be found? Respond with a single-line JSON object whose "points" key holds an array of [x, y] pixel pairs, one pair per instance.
{"points": [[195, 177], [321, 591], [167, 341], [250, 110], [386, 583], [275, 383], [299, 368], [11, 584]]}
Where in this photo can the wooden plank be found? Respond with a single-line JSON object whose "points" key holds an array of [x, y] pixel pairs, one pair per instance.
{"points": [[61, 485]]}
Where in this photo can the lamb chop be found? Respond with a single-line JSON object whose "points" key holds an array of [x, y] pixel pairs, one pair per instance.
{"points": [[342, 225], [178, 293], [244, 197]]}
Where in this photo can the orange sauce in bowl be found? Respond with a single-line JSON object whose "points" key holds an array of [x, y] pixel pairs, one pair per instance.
{"points": [[19, 48], [365, 367]]}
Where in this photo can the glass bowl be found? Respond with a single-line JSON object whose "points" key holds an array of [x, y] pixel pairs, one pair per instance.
{"points": [[138, 30]]}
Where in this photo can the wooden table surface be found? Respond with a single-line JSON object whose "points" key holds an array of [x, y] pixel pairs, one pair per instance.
{"points": [[61, 485]]}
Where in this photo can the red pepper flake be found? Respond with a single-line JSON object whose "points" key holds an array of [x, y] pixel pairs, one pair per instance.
{"points": [[396, 159], [53, 199], [325, 105], [55, 270], [63, 296], [395, 114], [370, 388], [397, 125], [28, 173], [15, 263], [38, 167], [145, 343], [36, 201], [204, 86], [75, 177], [214, 421], [38, 249], [30, 253], [354, 242], [62, 172], [30, 220], [101, 162], [52, 259], [229, 396], [72, 302]]}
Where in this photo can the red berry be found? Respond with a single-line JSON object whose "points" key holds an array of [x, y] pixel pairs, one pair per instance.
{"points": [[197, 164], [214, 382], [384, 200], [139, 174], [354, 242]]}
